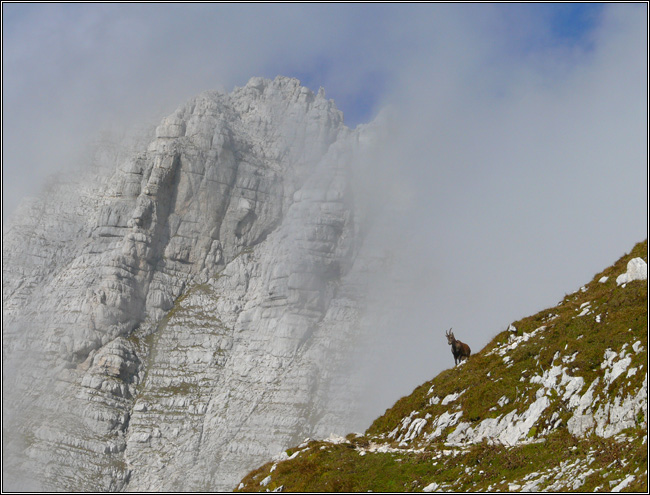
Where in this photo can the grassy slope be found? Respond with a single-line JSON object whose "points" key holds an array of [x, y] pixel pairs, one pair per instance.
{"points": [[549, 456]]}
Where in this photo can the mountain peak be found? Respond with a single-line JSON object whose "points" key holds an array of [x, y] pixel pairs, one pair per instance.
{"points": [[181, 299]]}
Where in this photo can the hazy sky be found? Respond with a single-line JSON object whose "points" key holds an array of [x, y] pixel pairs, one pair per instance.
{"points": [[519, 132]]}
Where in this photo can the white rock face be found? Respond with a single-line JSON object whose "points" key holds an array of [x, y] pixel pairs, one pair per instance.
{"points": [[595, 410], [178, 314], [637, 269]]}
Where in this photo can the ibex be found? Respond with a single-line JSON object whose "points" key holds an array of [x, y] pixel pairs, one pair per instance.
{"points": [[459, 349]]}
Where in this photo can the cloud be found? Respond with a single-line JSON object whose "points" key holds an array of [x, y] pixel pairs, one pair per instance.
{"points": [[518, 133], [70, 70], [527, 175]]}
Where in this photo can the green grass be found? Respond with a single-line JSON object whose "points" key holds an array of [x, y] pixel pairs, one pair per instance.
{"points": [[337, 468], [580, 340], [323, 467]]}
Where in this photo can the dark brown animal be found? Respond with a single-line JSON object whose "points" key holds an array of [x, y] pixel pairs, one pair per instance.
{"points": [[459, 349]]}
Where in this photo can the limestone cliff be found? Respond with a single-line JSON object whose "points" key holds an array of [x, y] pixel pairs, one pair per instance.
{"points": [[178, 311]]}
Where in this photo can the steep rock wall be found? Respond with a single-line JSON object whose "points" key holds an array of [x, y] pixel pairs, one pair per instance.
{"points": [[180, 311]]}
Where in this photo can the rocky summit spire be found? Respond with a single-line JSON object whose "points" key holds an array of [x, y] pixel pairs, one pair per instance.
{"points": [[177, 312]]}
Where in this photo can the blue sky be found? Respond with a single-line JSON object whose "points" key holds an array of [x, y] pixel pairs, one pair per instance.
{"points": [[519, 131], [571, 21]]}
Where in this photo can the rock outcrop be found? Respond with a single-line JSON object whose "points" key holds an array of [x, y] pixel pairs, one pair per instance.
{"points": [[178, 312]]}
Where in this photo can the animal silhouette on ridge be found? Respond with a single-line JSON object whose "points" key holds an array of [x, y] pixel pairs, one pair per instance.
{"points": [[459, 349]]}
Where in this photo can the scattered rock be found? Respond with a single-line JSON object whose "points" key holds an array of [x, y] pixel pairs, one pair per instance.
{"points": [[637, 269]]}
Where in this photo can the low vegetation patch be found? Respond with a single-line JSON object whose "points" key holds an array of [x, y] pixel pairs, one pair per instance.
{"points": [[593, 342]]}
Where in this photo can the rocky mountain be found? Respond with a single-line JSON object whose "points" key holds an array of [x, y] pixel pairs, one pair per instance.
{"points": [[179, 309], [556, 402]]}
